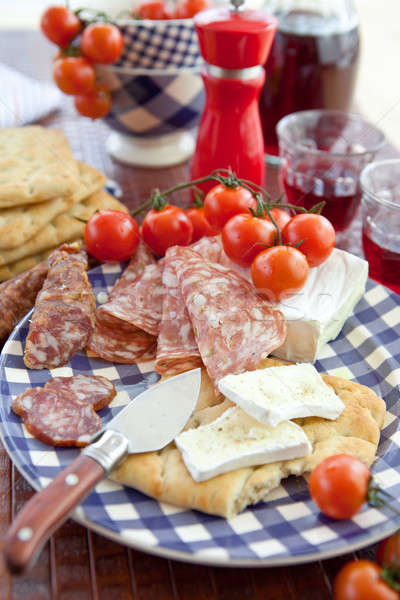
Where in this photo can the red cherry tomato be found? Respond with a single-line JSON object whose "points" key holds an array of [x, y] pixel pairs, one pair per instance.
{"points": [[201, 227], [167, 227], [111, 235], [388, 553], [245, 236], [280, 216], [102, 43], [60, 25], [154, 10], [361, 580], [186, 9], [222, 203], [279, 272], [318, 235], [338, 485], [74, 75], [95, 104]]}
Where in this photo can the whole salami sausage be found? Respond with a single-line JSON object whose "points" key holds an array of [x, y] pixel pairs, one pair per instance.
{"points": [[18, 295], [234, 327], [64, 314]]}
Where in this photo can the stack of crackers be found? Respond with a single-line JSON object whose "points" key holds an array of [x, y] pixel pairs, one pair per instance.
{"points": [[45, 196]]}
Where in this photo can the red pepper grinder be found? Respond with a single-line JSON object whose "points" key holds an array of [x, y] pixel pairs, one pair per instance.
{"points": [[234, 42]]}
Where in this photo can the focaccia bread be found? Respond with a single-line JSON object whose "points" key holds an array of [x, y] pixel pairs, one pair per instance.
{"points": [[164, 476]]}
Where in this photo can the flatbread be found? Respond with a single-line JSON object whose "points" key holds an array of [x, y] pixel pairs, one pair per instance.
{"points": [[36, 164], [164, 476], [21, 223], [63, 228]]}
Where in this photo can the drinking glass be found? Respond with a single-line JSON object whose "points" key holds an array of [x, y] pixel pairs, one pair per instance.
{"points": [[380, 182], [323, 153]]}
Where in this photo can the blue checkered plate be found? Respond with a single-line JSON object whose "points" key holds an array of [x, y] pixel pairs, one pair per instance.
{"points": [[287, 529]]}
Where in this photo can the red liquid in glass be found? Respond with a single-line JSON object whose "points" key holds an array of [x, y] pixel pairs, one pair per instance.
{"points": [[307, 184], [384, 264], [307, 70]]}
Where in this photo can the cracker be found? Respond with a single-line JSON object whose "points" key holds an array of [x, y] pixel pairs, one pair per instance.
{"points": [[64, 228], [164, 476], [21, 223], [36, 164]]}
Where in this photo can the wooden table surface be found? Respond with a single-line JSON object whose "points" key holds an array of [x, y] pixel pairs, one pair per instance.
{"points": [[78, 564]]}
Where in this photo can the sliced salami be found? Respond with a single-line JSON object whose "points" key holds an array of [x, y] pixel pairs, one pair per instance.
{"points": [[18, 295], [234, 327], [118, 345], [64, 314], [177, 349], [62, 413]]}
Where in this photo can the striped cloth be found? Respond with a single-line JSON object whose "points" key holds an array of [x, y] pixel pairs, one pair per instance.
{"points": [[24, 100]]}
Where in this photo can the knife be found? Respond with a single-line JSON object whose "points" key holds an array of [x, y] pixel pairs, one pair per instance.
{"points": [[147, 423]]}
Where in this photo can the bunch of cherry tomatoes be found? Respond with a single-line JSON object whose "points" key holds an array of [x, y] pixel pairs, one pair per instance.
{"points": [[73, 70], [278, 247], [161, 9]]}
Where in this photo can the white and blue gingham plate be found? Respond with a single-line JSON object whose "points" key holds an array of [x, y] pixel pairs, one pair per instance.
{"points": [[287, 529]]}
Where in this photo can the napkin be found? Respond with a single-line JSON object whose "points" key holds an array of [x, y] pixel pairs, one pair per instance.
{"points": [[24, 100]]}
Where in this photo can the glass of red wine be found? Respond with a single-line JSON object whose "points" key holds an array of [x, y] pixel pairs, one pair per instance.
{"points": [[380, 183], [322, 155]]}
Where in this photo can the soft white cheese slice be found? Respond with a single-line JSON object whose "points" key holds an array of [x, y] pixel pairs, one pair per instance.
{"points": [[236, 440], [278, 394]]}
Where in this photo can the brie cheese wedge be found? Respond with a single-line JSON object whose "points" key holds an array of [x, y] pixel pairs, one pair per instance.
{"points": [[236, 440], [278, 394]]}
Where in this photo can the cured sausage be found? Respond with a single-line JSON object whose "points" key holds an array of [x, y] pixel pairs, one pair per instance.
{"points": [[64, 314], [234, 327], [18, 295], [62, 413]]}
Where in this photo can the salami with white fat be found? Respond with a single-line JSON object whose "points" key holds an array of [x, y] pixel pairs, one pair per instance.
{"points": [[235, 328], [64, 314], [62, 413]]}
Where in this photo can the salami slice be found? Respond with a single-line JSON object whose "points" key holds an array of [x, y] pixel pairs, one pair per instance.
{"points": [[18, 295], [177, 349], [234, 327], [64, 314], [62, 413], [118, 345]]}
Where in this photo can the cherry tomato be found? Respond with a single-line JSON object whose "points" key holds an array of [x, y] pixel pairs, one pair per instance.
{"points": [[111, 235], [201, 227], [222, 203], [318, 233], [360, 580], [102, 43], [388, 553], [95, 104], [153, 9], [167, 227], [279, 272], [245, 236], [186, 9], [280, 216], [60, 25], [338, 485], [74, 75]]}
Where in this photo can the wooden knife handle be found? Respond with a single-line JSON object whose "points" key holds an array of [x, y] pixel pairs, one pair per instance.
{"points": [[46, 510]]}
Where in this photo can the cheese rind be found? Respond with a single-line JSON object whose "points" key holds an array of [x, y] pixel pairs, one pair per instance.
{"points": [[278, 394], [235, 440]]}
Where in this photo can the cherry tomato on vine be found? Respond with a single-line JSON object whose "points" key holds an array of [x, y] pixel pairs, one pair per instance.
{"points": [[186, 9], [245, 236], [361, 580], [74, 75], [154, 10], [60, 25], [318, 233], [95, 104], [280, 216], [388, 553], [111, 235], [222, 203], [102, 43], [339, 485], [279, 272], [169, 226], [201, 227]]}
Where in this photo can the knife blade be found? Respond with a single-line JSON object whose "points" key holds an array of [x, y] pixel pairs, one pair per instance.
{"points": [[147, 423]]}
